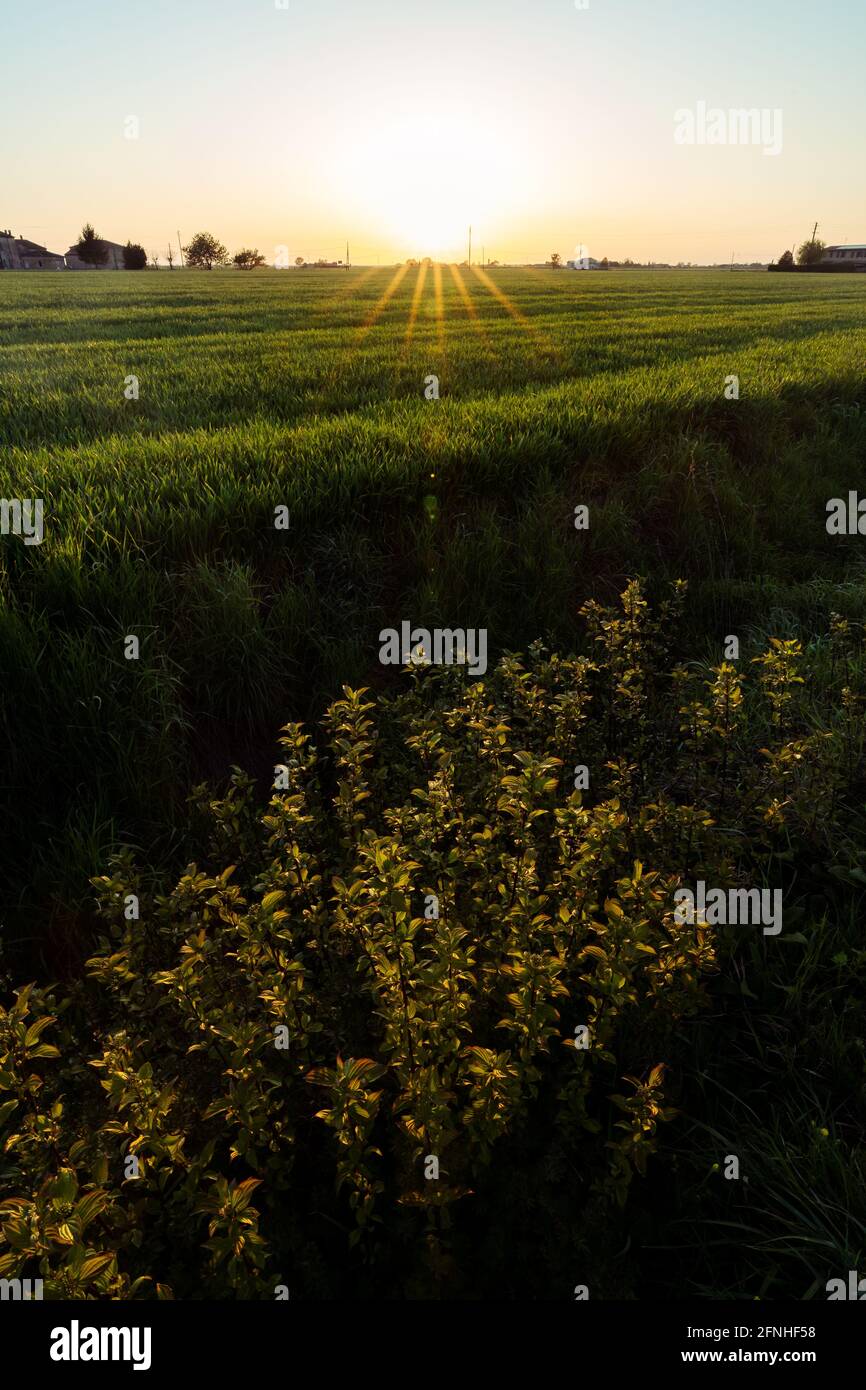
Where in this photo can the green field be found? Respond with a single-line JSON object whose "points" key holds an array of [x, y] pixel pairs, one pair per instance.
{"points": [[308, 390], [449, 1035]]}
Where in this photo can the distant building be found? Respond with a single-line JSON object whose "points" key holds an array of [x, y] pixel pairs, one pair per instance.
{"points": [[114, 260], [853, 257], [583, 263], [16, 253]]}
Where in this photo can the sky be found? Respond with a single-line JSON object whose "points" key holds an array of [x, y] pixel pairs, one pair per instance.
{"points": [[548, 125]]}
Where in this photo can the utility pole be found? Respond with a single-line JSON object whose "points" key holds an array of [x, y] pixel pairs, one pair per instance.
{"points": [[470, 246], [180, 244], [347, 255]]}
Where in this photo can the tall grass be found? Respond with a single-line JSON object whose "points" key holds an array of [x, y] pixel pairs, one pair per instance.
{"points": [[285, 389]]}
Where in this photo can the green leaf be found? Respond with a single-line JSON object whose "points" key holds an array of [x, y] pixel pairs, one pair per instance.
{"points": [[33, 1032], [94, 1265], [6, 1110]]}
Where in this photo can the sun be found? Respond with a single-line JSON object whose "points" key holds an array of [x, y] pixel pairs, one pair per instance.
{"points": [[426, 178]]}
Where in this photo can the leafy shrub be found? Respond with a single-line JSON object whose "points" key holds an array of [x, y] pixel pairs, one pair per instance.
{"points": [[357, 1005]]}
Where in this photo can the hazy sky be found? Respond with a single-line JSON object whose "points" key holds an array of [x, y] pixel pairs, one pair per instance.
{"points": [[394, 123]]}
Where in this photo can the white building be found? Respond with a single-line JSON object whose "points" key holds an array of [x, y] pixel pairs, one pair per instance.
{"points": [[114, 260], [852, 257], [16, 253]]}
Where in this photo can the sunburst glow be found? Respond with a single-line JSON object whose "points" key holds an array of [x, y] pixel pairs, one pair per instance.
{"points": [[426, 178]]}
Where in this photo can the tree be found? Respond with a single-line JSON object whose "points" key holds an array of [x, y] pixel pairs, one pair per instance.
{"points": [[248, 260], [556, 260], [154, 260], [786, 260], [605, 263], [811, 252], [134, 256], [204, 251], [169, 256], [299, 261], [91, 248]]}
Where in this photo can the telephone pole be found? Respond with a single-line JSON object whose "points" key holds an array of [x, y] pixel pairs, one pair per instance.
{"points": [[470, 246], [180, 244]]}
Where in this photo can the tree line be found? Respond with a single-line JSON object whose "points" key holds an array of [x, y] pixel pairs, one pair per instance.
{"points": [[203, 253], [811, 252]]}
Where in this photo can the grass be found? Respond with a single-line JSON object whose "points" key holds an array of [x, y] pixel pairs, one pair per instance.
{"points": [[306, 390]]}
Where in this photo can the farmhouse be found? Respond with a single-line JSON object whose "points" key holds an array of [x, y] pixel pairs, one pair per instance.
{"points": [[16, 253], [853, 257], [584, 263], [114, 260]]}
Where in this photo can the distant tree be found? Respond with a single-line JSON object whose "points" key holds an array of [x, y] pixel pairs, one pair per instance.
{"points": [[154, 260], [90, 247], [134, 256], [248, 260], [811, 252], [555, 260], [786, 261], [169, 256], [204, 252], [605, 263], [299, 261]]}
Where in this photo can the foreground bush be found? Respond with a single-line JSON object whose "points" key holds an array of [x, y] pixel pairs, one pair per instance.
{"points": [[441, 943]]}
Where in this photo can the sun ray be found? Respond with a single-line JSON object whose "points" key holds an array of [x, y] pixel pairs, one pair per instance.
{"points": [[469, 306], [348, 288], [416, 300], [354, 340], [440, 306], [541, 340], [345, 299], [382, 302], [503, 299]]}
